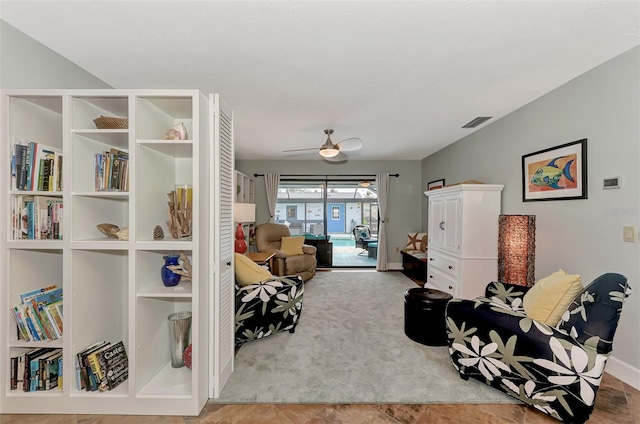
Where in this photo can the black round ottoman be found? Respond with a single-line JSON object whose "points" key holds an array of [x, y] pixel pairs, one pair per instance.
{"points": [[424, 315]]}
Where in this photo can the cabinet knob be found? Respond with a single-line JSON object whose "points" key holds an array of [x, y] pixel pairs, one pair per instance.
{"points": [[450, 267], [450, 287], [441, 225], [431, 259], [431, 276], [229, 263]]}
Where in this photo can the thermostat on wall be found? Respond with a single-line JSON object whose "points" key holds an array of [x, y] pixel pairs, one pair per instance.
{"points": [[611, 182]]}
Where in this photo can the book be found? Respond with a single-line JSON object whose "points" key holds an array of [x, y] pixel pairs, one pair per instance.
{"points": [[23, 332], [95, 360], [20, 152], [82, 373], [47, 326], [31, 366], [17, 370], [52, 371], [22, 310], [56, 316], [116, 365], [43, 362], [49, 296], [33, 293], [34, 323]]}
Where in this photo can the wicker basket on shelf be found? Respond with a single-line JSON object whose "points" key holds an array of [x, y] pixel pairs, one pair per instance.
{"points": [[111, 122]]}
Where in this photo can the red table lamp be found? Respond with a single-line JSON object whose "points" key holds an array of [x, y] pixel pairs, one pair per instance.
{"points": [[242, 213]]}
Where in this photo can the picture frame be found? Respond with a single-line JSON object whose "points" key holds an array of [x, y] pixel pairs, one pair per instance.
{"points": [[433, 185], [556, 173]]}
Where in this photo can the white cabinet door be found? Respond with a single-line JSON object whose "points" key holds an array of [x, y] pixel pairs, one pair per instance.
{"points": [[450, 224], [436, 224]]}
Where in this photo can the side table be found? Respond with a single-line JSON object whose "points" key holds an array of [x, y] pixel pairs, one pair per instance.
{"points": [[262, 259]]}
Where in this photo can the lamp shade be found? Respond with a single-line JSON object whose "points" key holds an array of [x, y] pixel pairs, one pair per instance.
{"points": [[244, 212], [516, 249], [329, 152]]}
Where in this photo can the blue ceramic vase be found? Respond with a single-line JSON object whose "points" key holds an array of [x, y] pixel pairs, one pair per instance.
{"points": [[169, 278]]}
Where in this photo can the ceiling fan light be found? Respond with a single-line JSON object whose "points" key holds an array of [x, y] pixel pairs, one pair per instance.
{"points": [[329, 152], [365, 184]]}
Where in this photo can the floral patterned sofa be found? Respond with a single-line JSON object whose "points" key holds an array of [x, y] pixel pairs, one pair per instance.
{"points": [[268, 307], [557, 369]]}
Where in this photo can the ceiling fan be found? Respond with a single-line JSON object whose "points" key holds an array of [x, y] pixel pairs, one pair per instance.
{"points": [[335, 152]]}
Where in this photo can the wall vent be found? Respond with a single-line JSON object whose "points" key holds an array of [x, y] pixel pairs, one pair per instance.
{"points": [[479, 120]]}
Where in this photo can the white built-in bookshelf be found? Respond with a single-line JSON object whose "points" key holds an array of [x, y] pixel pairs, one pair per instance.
{"points": [[112, 287], [245, 188]]}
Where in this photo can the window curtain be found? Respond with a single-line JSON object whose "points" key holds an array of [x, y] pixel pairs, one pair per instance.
{"points": [[382, 182], [271, 182]]}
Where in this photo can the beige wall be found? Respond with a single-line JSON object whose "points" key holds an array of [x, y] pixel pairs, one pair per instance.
{"points": [[580, 236], [25, 63]]}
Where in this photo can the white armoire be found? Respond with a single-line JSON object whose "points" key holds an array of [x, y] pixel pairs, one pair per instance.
{"points": [[463, 238], [112, 288]]}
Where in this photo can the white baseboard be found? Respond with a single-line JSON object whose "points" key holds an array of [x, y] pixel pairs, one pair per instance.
{"points": [[623, 372], [394, 266]]}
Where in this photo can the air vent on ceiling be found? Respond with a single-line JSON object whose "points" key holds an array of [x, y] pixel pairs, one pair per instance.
{"points": [[479, 120]]}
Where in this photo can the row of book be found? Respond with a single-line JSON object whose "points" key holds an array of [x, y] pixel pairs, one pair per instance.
{"points": [[36, 369], [111, 171], [36, 217], [35, 166], [39, 315], [102, 366]]}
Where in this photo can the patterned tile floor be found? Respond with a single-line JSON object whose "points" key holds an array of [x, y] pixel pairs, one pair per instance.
{"points": [[616, 403]]}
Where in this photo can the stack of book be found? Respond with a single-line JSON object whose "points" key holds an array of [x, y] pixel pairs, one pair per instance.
{"points": [[36, 217], [111, 171], [39, 316], [35, 166], [36, 369], [102, 366]]}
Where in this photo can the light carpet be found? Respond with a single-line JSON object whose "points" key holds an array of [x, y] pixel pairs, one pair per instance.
{"points": [[350, 347]]}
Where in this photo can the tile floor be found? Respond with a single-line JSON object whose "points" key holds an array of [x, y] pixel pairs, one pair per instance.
{"points": [[616, 403]]}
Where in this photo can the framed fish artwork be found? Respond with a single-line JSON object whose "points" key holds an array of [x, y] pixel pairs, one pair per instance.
{"points": [[557, 173]]}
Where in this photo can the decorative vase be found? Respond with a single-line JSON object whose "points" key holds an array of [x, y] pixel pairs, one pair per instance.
{"points": [[179, 328], [170, 278]]}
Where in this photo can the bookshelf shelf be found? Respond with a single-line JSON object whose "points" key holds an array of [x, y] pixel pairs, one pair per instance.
{"points": [[112, 288], [57, 344], [168, 382]]}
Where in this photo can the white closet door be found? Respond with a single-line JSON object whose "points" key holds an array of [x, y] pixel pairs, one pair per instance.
{"points": [[223, 305]]}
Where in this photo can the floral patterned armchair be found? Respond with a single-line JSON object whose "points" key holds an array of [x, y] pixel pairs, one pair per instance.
{"points": [[557, 369], [268, 307]]}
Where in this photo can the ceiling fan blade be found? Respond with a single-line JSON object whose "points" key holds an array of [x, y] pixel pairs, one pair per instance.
{"points": [[340, 157], [300, 150], [350, 144]]}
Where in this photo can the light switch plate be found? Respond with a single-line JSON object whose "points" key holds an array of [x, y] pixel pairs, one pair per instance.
{"points": [[629, 234]]}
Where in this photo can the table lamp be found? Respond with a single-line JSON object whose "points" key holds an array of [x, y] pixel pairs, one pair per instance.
{"points": [[242, 213]]}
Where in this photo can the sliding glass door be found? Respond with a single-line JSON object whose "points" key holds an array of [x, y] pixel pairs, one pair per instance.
{"points": [[326, 212]]}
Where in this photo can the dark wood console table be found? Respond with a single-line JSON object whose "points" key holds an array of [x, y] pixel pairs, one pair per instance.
{"points": [[413, 267], [324, 253]]}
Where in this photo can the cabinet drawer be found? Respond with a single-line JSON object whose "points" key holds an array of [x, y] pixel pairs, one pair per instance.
{"points": [[440, 281], [444, 263]]}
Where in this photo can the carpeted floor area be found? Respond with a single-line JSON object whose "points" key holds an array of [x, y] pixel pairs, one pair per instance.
{"points": [[350, 347]]}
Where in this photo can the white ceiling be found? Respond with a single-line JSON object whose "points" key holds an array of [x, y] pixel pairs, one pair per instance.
{"points": [[403, 76]]}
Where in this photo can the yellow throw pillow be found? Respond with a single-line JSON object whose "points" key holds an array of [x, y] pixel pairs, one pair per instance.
{"points": [[249, 272], [550, 297], [291, 246]]}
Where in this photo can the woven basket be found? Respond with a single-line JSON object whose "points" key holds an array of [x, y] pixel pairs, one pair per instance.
{"points": [[110, 122]]}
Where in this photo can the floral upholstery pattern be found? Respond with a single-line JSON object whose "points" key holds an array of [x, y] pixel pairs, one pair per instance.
{"points": [[268, 307], [556, 370]]}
